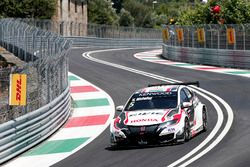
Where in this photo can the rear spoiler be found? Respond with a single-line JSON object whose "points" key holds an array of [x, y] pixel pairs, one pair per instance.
{"points": [[197, 83]]}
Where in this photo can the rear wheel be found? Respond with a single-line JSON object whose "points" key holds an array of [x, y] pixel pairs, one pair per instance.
{"points": [[204, 120], [186, 132]]}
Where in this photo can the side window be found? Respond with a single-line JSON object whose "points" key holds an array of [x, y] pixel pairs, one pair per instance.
{"points": [[183, 96], [188, 93]]}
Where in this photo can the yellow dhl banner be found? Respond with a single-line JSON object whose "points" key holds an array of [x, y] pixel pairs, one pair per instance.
{"points": [[201, 35], [230, 35], [165, 35], [17, 91], [180, 34]]}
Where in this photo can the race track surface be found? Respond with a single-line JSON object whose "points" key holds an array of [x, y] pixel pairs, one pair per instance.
{"points": [[234, 148]]}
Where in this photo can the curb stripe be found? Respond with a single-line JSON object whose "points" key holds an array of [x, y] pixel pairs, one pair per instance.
{"points": [[86, 121], [91, 103], [238, 72], [77, 132], [73, 78], [57, 146], [82, 89]]}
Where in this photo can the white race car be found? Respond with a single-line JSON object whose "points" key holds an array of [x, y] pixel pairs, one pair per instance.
{"points": [[159, 114]]}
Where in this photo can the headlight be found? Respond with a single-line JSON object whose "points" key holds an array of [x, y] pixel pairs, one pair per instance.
{"points": [[117, 128], [168, 123], [172, 112]]}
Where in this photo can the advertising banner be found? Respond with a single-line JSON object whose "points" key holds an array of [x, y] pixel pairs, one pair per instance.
{"points": [[17, 91], [201, 35], [230, 35], [180, 34]]}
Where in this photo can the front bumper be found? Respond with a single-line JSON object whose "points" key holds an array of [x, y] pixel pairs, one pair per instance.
{"points": [[151, 135]]}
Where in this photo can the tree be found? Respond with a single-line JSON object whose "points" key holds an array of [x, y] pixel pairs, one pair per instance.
{"points": [[125, 18], [101, 12], [42, 9], [231, 12], [236, 11], [141, 13]]}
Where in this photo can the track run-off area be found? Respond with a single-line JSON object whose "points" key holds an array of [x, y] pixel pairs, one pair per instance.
{"points": [[120, 72]]}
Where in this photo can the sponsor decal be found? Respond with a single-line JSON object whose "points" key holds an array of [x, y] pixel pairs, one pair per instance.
{"points": [[143, 120], [145, 113], [156, 94], [170, 130], [143, 98], [17, 90]]}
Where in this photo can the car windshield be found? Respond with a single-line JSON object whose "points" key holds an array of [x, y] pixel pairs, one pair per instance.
{"points": [[152, 100]]}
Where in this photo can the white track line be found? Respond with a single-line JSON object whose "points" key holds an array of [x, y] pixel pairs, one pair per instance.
{"points": [[219, 112]]}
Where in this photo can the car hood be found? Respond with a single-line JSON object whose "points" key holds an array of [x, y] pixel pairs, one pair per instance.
{"points": [[145, 117]]}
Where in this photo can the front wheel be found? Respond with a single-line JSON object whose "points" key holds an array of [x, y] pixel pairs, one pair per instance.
{"points": [[204, 120], [186, 132]]}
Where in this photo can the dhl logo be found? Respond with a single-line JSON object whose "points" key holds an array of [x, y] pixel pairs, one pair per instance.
{"points": [[18, 89], [17, 94]]}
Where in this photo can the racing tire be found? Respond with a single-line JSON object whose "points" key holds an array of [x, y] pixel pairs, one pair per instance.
{"points": [[204, 120], [187, 133]]}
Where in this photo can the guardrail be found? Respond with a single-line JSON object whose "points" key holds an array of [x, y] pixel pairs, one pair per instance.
{"points": [[24, 132], [216, 57], [114, 42]]}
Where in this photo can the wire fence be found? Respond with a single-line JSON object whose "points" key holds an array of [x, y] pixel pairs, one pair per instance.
{"points": [[43, 57], [94, 30], [233, 37]]}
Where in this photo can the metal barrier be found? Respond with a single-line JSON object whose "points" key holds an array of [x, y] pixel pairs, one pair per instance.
{"points": [[114, 42], [45, 61], [216, 57], [24, 132]]}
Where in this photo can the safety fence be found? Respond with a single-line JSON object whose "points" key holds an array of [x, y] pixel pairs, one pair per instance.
{"points": [[42, 56], [233, 37], [218, 45], [94, 30], [45, 61]]}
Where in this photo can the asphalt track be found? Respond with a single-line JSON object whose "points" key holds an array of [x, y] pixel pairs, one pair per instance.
{"points": [[233, 150]]}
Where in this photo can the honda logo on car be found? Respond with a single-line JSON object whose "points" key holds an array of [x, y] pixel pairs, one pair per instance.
{"points": [[143, 120], [17, 91]]}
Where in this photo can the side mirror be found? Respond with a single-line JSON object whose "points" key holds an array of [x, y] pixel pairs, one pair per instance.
{"points": [[186, 105], [119, 108]]}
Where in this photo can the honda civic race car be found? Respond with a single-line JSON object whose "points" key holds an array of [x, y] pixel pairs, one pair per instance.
{"points": [[159, 114]]}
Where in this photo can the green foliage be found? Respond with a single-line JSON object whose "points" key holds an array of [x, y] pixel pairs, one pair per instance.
{"points": [[28, 8], [141, 13], [236, 11], [126, 19], [101, 12], [232, 12]]}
